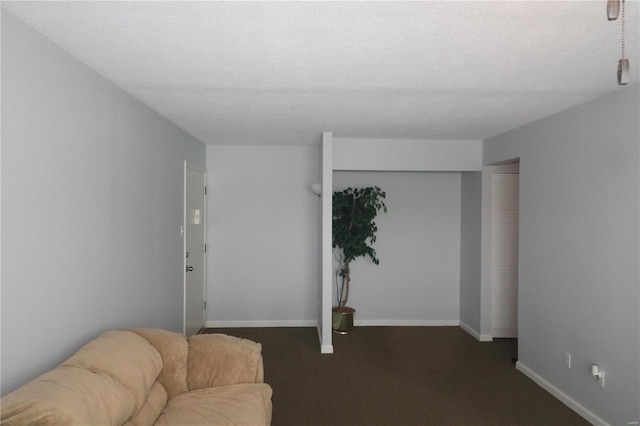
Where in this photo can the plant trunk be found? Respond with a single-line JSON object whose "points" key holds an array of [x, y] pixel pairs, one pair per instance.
{"points": [[346, 284]]}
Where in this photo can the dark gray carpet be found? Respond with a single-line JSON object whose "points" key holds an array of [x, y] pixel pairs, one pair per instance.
{"points": [[387, 376]]}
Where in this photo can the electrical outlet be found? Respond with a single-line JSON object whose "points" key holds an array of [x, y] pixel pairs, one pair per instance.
{"points": [[567, 359]]}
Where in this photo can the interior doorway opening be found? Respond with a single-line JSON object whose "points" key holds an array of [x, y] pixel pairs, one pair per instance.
{"points": [[505, 221]]}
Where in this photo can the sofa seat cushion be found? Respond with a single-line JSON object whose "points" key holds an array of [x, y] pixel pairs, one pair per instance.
{"points": [[243, 405]]}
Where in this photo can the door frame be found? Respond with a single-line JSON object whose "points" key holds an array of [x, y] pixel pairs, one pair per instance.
{"points": [[202, 170]]}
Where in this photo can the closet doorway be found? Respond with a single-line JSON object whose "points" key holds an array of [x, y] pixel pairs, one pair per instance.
{"points": [[505, 189]]}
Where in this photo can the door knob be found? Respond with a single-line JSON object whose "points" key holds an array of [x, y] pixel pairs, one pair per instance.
{"points": [[189, 268]]}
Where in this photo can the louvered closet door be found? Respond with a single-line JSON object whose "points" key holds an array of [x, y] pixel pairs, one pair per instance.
{"points": [[504, 255]]}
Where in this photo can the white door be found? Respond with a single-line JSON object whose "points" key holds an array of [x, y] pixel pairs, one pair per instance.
{"points": [[194, 249], [504, 255]]}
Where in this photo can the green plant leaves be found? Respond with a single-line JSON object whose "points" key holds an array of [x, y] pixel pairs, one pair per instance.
{"points": [[354, 230]]}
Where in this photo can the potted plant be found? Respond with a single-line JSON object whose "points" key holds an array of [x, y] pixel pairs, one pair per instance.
{"points": [[354, 232]]}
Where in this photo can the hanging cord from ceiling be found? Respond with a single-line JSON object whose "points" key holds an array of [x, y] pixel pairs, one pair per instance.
{"points": [[622, 21], [613, 10]]}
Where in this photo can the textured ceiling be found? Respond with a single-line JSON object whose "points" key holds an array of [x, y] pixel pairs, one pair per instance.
{"points": [[281, 73]]}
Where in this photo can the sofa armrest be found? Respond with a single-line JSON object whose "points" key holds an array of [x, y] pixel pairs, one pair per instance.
{"points": [[220, 360]]}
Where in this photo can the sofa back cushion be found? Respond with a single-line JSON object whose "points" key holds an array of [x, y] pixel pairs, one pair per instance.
{"points": [[106, 382], [220, 360], [152, 407], [173, 349]]}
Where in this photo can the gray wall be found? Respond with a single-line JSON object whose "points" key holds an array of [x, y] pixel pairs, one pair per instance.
{"points": [[470, 249], [91, 207], [263, 235], [418, 243], [264, 241], [579, 249]]}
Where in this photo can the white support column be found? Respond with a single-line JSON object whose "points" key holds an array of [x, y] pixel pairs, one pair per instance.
{"points": [[324, 326]]}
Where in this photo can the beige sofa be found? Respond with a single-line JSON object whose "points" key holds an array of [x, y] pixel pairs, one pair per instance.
{"points": [[145, 377]]}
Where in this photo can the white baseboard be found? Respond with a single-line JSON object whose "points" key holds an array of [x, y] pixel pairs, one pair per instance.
{"points": [[474, 333], [324, 349], [313, 323], [269, 323], [563, 397], [405, 323]]}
